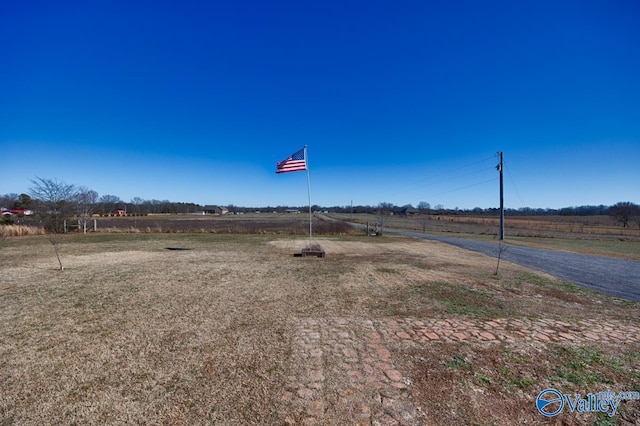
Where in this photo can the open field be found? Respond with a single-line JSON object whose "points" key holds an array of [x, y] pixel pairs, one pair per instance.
{"points": [[262, 223], [233, 329], [583, 227], [589, 234]]}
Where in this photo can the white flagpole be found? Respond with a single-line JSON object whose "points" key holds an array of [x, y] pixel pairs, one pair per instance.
{"points": [[309, 196]]}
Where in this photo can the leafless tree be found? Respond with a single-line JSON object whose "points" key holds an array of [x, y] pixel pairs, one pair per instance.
{"points": [[86, 200], [501, 249], [55, 199], [424, 207], [623, 212], [137, 202], [424, 220], [384, 210], [8, 200], [109, 203]]}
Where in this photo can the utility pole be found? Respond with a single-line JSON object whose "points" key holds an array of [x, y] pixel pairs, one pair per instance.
{"points": [[500, 167]]}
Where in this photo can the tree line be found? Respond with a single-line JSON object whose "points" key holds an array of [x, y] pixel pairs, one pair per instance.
{"points": [[625, 213], [57, 199]]}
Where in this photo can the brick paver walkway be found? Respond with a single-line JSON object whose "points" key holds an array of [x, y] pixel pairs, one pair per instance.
{"points": [[346, 370]]}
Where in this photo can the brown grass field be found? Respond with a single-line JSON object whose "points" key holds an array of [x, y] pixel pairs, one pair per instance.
{"points": [[234, 329], [590, 234]]}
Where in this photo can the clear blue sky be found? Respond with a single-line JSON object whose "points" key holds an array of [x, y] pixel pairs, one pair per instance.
{"points": [[398, 101]]}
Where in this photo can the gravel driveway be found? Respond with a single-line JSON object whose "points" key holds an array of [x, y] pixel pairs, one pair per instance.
{"points": [[607, 275]]}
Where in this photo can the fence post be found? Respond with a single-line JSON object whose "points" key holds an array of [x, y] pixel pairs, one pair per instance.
{"points": [[95, 225]]}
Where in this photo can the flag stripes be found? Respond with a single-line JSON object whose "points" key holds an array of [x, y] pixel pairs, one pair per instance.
{"points": [[295, 163]]}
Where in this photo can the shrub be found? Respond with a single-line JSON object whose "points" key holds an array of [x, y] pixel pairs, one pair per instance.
{"points": [[21, 230]]}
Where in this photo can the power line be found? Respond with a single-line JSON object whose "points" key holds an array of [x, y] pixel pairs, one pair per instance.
{"points": [[514, 185], [427, 181], [484, 169], [463, 187]]}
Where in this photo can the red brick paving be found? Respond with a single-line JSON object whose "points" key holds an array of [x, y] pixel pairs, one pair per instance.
{"points": [[352, 353]]}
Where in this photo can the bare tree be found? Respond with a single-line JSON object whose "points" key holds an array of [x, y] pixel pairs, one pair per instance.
{"points": [[56, 200], [384, 210], [137, 202], [109, 203], [424, 207], [8, 200], [501, 249], [55, 197], [623, 212], [424, 221], [86, 199]]}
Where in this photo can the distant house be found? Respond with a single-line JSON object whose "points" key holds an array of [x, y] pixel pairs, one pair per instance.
{"points": [[217, 210], [408, 211], [120, 212], [25, 212]]}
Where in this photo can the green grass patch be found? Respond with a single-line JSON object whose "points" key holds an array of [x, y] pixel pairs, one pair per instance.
{"points": [[481, 379], [523, 382], [385, 270], [460, 300], [580, 366], [558, 289], [458, 362], [603, 419]]}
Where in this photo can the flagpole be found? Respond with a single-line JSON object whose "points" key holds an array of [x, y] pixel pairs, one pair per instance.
{"points": [[309, 196]]}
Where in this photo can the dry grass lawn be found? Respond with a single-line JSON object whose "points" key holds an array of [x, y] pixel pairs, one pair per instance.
{"points": [[132, 332]]}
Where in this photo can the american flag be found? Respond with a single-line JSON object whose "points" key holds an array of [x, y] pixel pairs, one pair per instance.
{"points": [[295, 163]]}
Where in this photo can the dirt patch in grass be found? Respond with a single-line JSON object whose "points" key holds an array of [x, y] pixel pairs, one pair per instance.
{"points": [[228, 333]]}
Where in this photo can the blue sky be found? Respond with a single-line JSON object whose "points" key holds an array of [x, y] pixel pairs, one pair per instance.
{"points": [[402, 102]]}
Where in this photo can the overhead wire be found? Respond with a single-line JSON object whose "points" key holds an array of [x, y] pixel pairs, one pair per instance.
{"points": [[428, 181], [515, 187], [464, 187]]}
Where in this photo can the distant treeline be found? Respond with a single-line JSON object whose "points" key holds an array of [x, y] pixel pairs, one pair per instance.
{"points": [[52, 202], [525, 211], [107, 204]]}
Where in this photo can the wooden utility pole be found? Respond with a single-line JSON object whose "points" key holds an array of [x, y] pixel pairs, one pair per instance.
{"points": [[500, 168]]}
